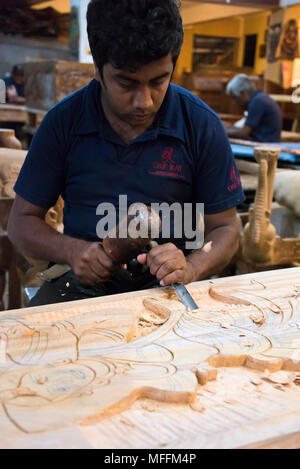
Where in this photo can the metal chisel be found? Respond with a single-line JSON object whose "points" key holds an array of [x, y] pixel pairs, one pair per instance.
{"points": [[185, 296], [179, 288]]}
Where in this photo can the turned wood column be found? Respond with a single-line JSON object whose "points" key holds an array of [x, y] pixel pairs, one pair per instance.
{"points": [[9, 140]]}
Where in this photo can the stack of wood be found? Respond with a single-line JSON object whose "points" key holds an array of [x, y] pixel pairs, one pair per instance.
{"points": [[17, 17]]}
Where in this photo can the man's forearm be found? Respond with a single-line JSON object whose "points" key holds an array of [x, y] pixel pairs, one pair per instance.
{"points": [[236, 132], [36, 239], [219, 247]]}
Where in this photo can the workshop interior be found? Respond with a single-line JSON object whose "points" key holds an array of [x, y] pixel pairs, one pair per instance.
{"points": [[150, 225]]}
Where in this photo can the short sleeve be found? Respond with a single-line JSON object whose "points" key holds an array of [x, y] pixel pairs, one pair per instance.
{"points": [[255, 114], [41, 178], [218, 180]]}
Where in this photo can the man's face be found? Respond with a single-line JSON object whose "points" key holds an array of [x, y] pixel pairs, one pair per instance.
{"points": [[136, 97], [18, 79]]}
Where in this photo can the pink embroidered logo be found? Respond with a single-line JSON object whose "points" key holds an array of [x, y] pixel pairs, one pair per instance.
{"points": [[236, 181], [167, 166], [167, 155]]}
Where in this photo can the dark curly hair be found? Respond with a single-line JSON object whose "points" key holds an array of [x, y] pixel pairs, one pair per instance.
{"points": [[131, 33]]}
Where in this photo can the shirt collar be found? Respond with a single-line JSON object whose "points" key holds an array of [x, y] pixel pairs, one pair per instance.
{"points": [[88, 121], [92, 119]]}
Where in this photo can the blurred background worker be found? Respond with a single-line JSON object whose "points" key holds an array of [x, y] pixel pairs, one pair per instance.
{"points": [[263, 121], [15, 86]]}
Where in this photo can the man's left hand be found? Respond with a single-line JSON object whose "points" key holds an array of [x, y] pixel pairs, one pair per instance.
{"points": [[168, 264]]}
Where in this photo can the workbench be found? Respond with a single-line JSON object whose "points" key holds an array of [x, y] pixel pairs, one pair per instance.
{"points": [[246, 150], [30, 117], [13, 113], [138, 370]]}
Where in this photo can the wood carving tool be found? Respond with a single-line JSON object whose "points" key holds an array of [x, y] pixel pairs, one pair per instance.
{"points": [[124, 250], [122, 244], [180, 289], [185, 296]]}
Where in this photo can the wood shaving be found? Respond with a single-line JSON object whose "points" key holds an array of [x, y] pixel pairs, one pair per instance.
{"points": [[297, 380], [226, 325], [260, 321], [197, 406], [230, 401], [126, 422], [152, 318], [42, 380], [171, 295], [153, 305], [280, 377], [256, 381], [279, 386], [275, 309], [248, 344], [224, 295]]}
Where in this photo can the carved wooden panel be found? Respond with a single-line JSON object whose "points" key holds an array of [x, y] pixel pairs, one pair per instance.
{"points": [[139, 371]]}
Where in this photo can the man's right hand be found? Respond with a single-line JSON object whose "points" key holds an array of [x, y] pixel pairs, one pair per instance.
{"points": [[38, 240], [91, 264]]}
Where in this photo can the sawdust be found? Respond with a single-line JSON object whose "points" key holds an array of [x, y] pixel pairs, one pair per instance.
{"points": [[197, 406], [147, 320], [170, 294]]}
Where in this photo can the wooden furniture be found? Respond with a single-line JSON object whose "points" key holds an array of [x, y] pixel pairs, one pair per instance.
{"points": [[286, 99], [291, 109], [12, 113], [9, 140], [11, 161], [261, 247], [49, 81], [34, 118], [22, 271], [137, 370], [287, 136], [209, 84], [29, 117], [289, 152]]}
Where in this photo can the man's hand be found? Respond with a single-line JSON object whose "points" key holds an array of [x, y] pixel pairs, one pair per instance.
{"points": [[168, 264], [90, 263]]}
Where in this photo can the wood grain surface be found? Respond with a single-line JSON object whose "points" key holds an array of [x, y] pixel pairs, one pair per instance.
{"points": [[139, 371]]}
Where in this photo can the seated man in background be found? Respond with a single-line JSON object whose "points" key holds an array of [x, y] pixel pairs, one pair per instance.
{"points": [[264, 119], [15, 86]]}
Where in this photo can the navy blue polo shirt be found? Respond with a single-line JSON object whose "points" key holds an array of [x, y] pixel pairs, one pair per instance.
{"points": [[265, 118], [19, 88], [183, 157]]}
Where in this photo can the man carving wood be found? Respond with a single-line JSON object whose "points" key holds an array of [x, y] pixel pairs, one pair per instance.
{"points": [[130, 131]]}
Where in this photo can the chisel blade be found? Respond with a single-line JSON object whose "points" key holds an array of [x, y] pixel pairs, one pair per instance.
{"points": [[185, 296]]}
